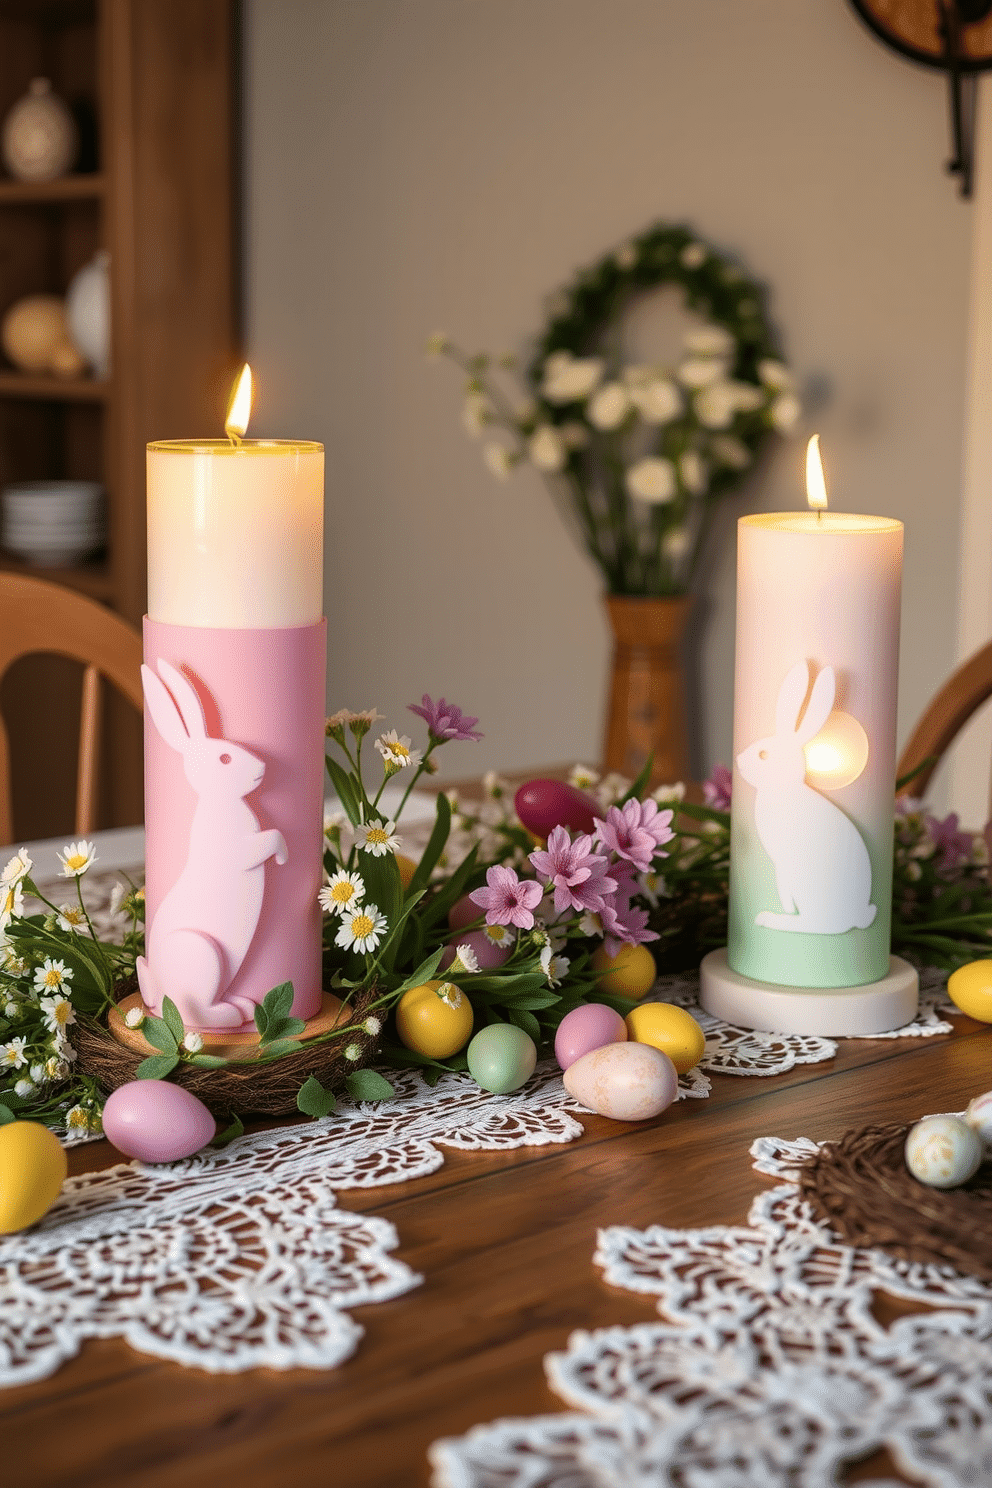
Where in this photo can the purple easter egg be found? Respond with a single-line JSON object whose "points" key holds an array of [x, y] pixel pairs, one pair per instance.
{"points": [[490, 955], [463, 912], [545, 804], [587, 1028], [156, 1121]]}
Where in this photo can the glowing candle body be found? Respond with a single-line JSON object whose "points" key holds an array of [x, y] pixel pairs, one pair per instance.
{"points": [[812, 813], [235, 648]]}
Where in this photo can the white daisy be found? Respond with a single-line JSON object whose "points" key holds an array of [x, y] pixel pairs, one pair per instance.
{"points": [[582, 777], [693, 256], [652, 479], [11, 902], [12, 1054], [377, 838], [500, 936], [693, 471], [710, 340], [476, 413], [55, 1068], [395, 750], [785, 411], [24, 1088], [676, 544], [51, 976], [774, 374], [37, 1073], [77, 1123], [547, 448], [450, 995], [666, 794], [608, 406], [71, 917], [499, 460], [466, 957], [17, 868], [658, 401], [192, 1043], [570, 379], [730, 451], [555, 968], [699, 372], [58, 1013], [344, 891], [76, 858], [361, 928]]}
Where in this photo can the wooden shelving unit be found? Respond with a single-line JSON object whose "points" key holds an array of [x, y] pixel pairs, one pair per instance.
{"points": [[153, 84]]}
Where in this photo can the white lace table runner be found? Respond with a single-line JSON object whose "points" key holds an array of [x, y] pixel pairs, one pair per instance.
{"points": [[770, 1367]]}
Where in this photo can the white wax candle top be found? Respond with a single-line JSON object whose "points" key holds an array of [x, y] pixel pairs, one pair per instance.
{"points": [[827, 522], [235, 532]]}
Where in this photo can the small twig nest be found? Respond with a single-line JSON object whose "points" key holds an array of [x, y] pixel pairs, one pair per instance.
{"points": [[864, 1190], [268, 1089]]}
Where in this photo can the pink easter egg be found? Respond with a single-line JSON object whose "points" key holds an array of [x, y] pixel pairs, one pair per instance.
{"points": [[489, 955], [627, 1082], [545, 804], [156, 1121], [586, 1028], [463, 912]]}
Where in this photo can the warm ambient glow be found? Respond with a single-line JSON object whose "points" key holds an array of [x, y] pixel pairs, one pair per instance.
{"points": [[838, 754], [240, 410], [816, 488]]}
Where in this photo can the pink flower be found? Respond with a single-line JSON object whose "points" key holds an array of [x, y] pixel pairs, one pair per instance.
{"points": [[622, 923], [635, 831], [507, 901], [445, 721], [954, 846], [716, 790], [578, 874]]}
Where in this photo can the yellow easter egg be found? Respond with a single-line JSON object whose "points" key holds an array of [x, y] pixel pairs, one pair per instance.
{"points": [[407, 868], [435, 1019], [32, 1172], [970, 989], [630, 973], [670, 1029]]}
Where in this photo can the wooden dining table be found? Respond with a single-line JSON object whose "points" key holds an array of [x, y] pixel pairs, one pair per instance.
{"points": [[504, 1241]]}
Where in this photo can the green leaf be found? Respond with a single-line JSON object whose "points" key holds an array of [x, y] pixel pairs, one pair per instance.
{"points": [[208, 1061], [346, 792], [314, 1100], [527, 1022], [278, 1003], [6, 1115], [261, 1018], [156, 1066], [172, 1020], [509, 986], [435, 846], [387, 950], [453, 889], [236, 1129], [277, 1049], [532, 1000], [159, 1034], [925, 764], [424, 972], [282, 1028], [367, 1085], [641, 781]]}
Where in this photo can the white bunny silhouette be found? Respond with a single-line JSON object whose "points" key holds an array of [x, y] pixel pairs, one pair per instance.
{"points": [[822, 868], [203, 927]]}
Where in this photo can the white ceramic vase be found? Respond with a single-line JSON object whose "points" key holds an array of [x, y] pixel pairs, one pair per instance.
{"points": [[40, 138], [87, 312]]}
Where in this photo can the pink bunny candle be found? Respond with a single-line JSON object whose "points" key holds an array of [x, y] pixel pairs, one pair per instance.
{"points": [[818, 597], [235, 648]]}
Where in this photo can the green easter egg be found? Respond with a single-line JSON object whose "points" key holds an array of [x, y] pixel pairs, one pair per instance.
{"points": [[501, 1058]]}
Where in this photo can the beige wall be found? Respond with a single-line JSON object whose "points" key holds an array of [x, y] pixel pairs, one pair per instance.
{"points": [[425, 164]]}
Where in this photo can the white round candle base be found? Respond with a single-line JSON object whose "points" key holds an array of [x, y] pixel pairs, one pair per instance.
{"points": [[877, 1007]]}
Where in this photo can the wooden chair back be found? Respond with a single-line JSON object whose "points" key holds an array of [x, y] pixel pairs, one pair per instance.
{"points": [[36, 616], [948, 712]]}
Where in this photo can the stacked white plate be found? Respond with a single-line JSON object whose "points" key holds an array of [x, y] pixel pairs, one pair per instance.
{"points": [[53, 523]]}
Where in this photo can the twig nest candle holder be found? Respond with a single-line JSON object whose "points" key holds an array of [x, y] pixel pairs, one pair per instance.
{"points": [[861, 1186]]}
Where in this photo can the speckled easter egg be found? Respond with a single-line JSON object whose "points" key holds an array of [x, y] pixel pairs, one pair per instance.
{"points": [[156, 1121], [943, 1151], [32, 1172], [501, 1058], [545, 804], [979, 1116], [488, 953], [627, 1082], [463, 912], [586, 1028], [970, 989], [630, 973], [434, 1019], [670, 1029]]}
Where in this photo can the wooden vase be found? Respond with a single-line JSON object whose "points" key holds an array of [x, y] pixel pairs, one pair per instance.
{"points": [[647, 711]]}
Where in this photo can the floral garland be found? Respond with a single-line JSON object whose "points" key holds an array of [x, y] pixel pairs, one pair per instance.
{"points": [[639, 454]]}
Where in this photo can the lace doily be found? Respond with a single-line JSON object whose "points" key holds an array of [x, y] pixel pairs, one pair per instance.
{"points": [[770, 1367]]}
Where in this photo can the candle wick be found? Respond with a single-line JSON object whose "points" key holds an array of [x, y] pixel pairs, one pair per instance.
{"points": [[819, 513], [234, 438]]}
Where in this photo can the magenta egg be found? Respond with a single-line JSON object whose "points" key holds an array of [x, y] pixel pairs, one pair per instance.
{"points": [[463, 912], [545, 804], [587, 1028], [157, 1121], [489, 955]]}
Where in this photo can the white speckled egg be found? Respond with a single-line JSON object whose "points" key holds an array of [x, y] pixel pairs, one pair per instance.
{"points": [[943, 1151], [979, 1116], [627, 1082]]}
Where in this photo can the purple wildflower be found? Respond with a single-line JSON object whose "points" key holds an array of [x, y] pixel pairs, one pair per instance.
{"points": [[717, 790], [578, 874], [622, 923], [507, 901], [635, 831], [445, 721], [953, 846]]}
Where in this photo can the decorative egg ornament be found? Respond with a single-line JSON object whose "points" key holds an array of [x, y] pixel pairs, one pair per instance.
{"points": [[434, 1019], [979, 1116], [543, 805], [32, 1172], [156, 1121], [943, 1151], [630, 973], [627, 1082], [670, 1029], [970, 989], [586, 1028], [501, 1058]]}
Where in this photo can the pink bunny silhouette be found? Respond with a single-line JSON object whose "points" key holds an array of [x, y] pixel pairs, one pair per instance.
{"points": [[822, 867], [204, 926]]}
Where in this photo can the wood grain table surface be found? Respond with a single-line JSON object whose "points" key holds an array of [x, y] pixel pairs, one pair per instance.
{"points": [[505, 1243]]}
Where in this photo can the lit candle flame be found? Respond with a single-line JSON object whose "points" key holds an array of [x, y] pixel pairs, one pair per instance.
{"points": [[240, 410], [816, 488]]}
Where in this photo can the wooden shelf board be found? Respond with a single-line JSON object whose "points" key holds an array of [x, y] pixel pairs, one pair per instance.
{"points": [[92, 579], [54, 389], [67, 188]]}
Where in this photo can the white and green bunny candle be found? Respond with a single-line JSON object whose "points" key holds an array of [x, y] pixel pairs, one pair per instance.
{"points": [[818, 596]]}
